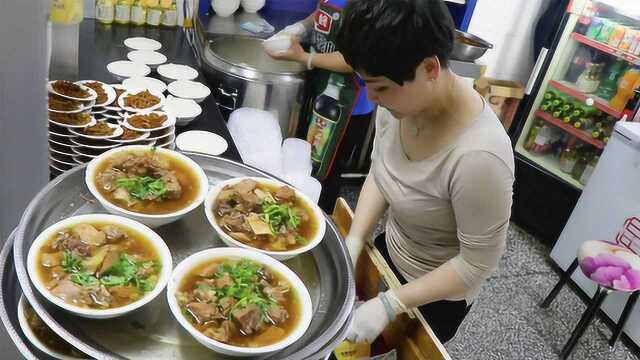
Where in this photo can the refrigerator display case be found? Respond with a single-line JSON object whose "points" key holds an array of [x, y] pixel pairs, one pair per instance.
{"points": [[582, 86]]}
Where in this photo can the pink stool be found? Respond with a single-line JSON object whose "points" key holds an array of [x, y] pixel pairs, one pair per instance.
{"points": [[613, 267]]}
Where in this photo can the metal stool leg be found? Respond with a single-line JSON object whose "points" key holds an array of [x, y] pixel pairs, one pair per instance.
{"points": [[556, 289], [617, 331], [587, 316]]}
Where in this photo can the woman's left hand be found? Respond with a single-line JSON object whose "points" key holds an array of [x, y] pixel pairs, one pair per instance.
{"points": [[368, 321], [294, 53]]}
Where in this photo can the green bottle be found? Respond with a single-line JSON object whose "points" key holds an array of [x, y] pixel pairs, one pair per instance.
{"points": [[609, 84]]}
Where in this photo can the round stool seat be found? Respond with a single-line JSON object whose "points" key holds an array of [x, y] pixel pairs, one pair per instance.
{"points": [[610, 265]]}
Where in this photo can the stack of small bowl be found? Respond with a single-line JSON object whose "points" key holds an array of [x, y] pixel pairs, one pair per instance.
{"points": [[66, 113]]}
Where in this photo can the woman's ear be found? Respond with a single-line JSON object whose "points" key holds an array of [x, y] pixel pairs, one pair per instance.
{"points": [[429, 69]]}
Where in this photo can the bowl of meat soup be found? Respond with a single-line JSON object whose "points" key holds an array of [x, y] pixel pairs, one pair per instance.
{"points": [[239, 302], [99, 266], [42, 337], [152, 185], [264, 215]]}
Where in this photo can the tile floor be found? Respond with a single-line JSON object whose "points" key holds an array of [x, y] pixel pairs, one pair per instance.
{"points": [[506, 321]]}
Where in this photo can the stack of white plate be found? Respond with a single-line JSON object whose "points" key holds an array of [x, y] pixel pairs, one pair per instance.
{"points": [[66, 113], [163, 136]]}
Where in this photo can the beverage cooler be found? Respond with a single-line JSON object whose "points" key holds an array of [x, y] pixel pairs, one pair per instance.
{"points": [[582, 85]]}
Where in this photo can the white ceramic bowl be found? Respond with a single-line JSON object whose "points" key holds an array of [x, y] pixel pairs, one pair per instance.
{"points": [[277, 44], [111, 93], [123, 69], [171, 121], [155, 240], [188, 89], [225, 8], [155, 93], [252, 6], [92, 94], [280, 255], [149, 58], [32, 337], [172, 72], [144, 83], [142, 43], [184, 110], [306, 310], [117, 131], [149, 220], [203, 142]]}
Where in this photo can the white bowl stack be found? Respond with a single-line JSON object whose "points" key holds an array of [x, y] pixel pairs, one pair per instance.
{"points": [[69, 146]]}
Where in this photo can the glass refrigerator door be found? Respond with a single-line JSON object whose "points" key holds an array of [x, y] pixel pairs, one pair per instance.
{"points": [[589, 85]]}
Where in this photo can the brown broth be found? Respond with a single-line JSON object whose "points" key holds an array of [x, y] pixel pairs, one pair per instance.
{"points": [[186, 177], [307, 229], [139, 246], [292, 305]]}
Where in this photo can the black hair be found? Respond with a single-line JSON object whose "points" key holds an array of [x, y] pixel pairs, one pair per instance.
{"points": [[391, 37]]}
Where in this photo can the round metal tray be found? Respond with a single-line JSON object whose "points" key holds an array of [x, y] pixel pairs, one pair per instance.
{"points": [[152, 332]]}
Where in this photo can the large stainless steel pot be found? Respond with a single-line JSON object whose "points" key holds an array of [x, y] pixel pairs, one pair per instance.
{"points": [[243, 75]]}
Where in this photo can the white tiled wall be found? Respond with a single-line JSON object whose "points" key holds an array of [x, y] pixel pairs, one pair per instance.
{"points": [[508, 25]]}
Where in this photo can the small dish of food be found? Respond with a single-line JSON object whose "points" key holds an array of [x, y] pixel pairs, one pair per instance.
{"points": [[61, 105], [136, 83], [173, 72], [70, 90], [141, 100], [61, 139], [99, 266], [123, 69], [148, 122], [152, 185], [142, 43], [150, 58], [188, 89], [165, 142], [106, 94], [101, 130], [71, 120], [130, 136], [203, 142], [264, 215], [239, 302], [92, 144], [184, 110], [41, 335]]}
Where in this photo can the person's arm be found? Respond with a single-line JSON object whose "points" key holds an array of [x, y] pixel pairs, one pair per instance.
{"points": [[331, 61], [371, 206]]}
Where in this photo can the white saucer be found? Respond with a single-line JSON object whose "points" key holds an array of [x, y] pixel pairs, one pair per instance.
{"points": [[203, 142]]}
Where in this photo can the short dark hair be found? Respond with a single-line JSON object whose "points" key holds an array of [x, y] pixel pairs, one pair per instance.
{"points": [[391, 37]]}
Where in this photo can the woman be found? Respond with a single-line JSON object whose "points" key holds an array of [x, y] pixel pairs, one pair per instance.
{"points": [[442, 166], [336, 140]]}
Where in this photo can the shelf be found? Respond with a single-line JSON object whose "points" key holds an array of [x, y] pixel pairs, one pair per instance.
{"points": [[583, 136], [550, 163], [607, 48], [599, 103]]}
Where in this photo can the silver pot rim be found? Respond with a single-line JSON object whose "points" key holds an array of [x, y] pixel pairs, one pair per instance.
{"points": [[245, 72]]}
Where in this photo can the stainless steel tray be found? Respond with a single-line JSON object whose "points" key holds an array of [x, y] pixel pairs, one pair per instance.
{"points": [[152, 332]]}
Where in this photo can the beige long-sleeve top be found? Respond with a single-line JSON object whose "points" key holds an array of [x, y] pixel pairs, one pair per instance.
{"points": [[451, 207]]}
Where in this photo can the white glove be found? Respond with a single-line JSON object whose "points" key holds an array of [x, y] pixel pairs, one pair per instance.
{"points": [[354, 245], [294, 30], [373, 316]]}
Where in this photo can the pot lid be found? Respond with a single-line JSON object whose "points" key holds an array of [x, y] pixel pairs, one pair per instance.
{"points": [[248, 53]]}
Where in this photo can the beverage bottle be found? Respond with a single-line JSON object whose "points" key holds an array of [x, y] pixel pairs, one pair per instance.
{"points": [[568, 157], [609, 84], [154, 14], [588, 170], [547, 106], [568, 119], [567, 108], [626, 85], [578, 64], [138, 12], [327, 111], [608, 27], [169, 14], [550, 95], [123, 11], [533, 133], [594, 28], [581, 163], [557, 113], [105, 11]]}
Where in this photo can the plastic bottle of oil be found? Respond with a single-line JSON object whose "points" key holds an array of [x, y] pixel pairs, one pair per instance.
{"points": [[105, 11]]}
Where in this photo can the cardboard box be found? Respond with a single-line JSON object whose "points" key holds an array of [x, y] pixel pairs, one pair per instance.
{"points": [[503, 97]]}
